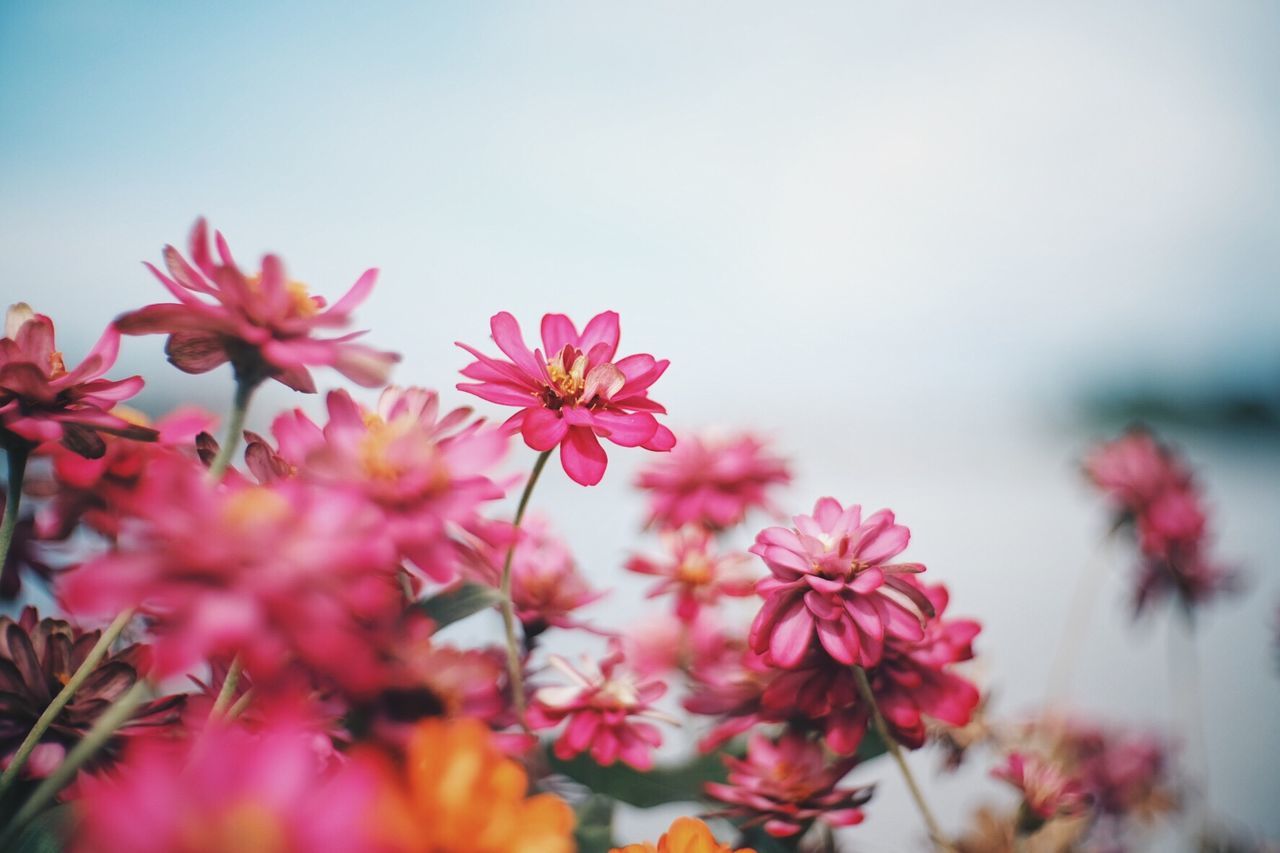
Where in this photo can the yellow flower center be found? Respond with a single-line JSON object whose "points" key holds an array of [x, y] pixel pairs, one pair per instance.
{"points": [[695, 570], [568, 382], [255, 506], [304, 305]]}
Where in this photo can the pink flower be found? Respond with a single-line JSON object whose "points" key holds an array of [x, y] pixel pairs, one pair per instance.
{"points": [[788, 785], [694, 573], [832, 577], [229, 789], [1134, 469], [425, 472], [1047, 792], [606, 709], [712, 482], [1127, 774], [264, 324], [282, 574], [40, 400], [575, 392]]}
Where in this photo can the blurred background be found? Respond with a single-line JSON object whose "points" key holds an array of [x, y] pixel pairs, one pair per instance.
{"points": [[931, 251]]}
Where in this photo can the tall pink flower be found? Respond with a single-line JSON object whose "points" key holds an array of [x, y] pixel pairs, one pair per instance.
{"points": [[424, 471], [694, 573], [788, 785], [607, 709], [264, 323], [1135, 469], [40, 400], [833, 578], [574, 392], [712, 481]]}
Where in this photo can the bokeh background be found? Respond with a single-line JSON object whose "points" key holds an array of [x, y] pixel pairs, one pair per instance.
{"points": [[931, 250]]}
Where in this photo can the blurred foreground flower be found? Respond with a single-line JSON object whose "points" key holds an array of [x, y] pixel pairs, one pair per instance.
{"points": [[686, 835]]}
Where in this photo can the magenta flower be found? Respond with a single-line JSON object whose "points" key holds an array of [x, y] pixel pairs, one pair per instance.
{"points": [[40, 400], [694, 573], [607, 709], [424, 471], [573, 393], [1135, 469], [832, 577], [788, 785], [264, 324], [1047, 791], [712, 482], [1127, 774]]}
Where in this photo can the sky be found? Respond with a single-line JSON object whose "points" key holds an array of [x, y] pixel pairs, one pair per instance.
{"points": [[903, 240]]}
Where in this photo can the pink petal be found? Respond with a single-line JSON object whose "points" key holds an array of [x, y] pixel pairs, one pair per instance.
{"points": [[557, 331], [582, 457], [791, 634], [603, 329], [626, 430], [543, 429], [506, 334]]}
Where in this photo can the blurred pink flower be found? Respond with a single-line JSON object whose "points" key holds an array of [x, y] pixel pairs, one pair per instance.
{"points": [[693, 573], [1047, 791], [606, 709], [1127, 774], [573, 393], [832, 577], [41, 401], [1134, 469], [787, 785], [425, 472], [712, 482], [264, 324]]}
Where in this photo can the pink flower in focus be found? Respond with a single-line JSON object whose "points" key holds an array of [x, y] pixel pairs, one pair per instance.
{"points": [[279, 574], [1047, 792], [264, 324], [425, 472], [228, 790], [41, 401], [573, 393], [788, 785], [832, 577], [711, 482], [694, 573], [606, 709]]}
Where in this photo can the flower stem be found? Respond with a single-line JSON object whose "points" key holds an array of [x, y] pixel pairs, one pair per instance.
{"points": [[515, 667], [235, 426], [102, 730], [91, 661], [17, 455], [228, 690], [882, 729]]}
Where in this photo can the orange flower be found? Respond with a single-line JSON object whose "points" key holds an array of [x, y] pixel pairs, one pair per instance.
{"points": [[686, 835], [457, 793]]}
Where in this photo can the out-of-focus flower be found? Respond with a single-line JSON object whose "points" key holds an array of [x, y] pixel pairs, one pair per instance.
{"points": [[788, 785], [546, 586], [423, 471], [1134, 469], [956, 741], [832, 577], [711, 481], [1047, 791], [37, 658], [24, 558], [996, 832], [264, 324], [573, 393], [694, 573], [1127, 774], [606, 709], [686, 835], [41, 401], [282, 574], [229, 790], [457, 793]]}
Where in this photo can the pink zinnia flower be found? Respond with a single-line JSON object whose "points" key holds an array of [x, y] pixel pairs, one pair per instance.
{"points": [[40, 400], [1047, 791], [832, 577], [279, 574], [1134, 469], [712, 481], [424, 471], [606, 708], [573, 393], [264, 324], [1127, 774], [694, 573], [788, 785], [229, 789]]}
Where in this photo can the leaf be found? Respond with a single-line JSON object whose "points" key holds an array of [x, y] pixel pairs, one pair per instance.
{"points": [[871, 747], [459, 602], [594, 830], [680, 783], [49, 832]]}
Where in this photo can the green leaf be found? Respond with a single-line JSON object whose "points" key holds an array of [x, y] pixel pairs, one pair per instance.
{"points": [[594, 830], [459, 602], [679, 783], [49, 832], [871, 747]]}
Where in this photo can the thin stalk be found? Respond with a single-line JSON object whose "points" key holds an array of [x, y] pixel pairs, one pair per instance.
{"points": [[1083, 600], [877, 719], [102, 730], [241, 703], [17, 455], [235, 426], [228, 690], [515, 668], [1188, 699], [91, 661]]}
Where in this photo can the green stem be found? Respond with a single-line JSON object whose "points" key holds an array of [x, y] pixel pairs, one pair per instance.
{"points": [[17, 455], [102, 730], [877, 719], [91, 661], [515, 667], [235, 426], [228, 691]]}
